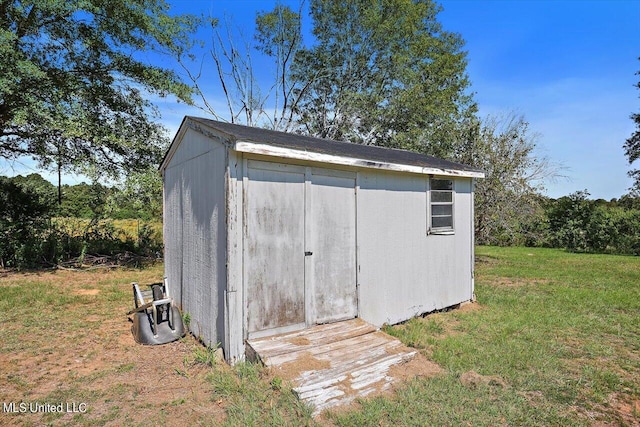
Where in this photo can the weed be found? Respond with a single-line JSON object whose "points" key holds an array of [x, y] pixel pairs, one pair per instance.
{"points": [[270, 404], [206, 355], [224, 384], [178, 402], [276, 383], [186, 319], [127, 367], [248, 371], [18, 380]]}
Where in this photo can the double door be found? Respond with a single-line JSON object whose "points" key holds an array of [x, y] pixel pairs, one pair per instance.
{"points": [[300, 247]]}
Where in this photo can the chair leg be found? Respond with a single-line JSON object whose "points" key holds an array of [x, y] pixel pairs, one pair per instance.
{"points": [[170, 317], [155, 322]]}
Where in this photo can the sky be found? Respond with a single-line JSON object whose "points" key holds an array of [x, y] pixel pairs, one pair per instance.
{"points": [[568, 67]]}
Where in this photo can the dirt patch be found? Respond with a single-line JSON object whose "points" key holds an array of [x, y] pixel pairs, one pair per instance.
{"points": [[619, 410], [74, 352], [506, 282], [418, 367], [473, 380], [87, 292], [305, 362], [120, 380], [627, 410], [299, 341], [469, 306]]}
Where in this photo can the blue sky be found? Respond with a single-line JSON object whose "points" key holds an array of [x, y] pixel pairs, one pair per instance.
{"points": [[567, 66]]}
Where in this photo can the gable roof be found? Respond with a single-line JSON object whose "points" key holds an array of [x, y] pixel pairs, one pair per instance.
{"points": [[268, 142]]}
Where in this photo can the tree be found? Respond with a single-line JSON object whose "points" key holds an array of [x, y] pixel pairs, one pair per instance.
{"points": [[72, 89], [278, 36], [569, 219], [139, 196], [83, 200], [25, 207], [632, 148], [38, 187], [508, 202], [384, 73], [26, 198]]}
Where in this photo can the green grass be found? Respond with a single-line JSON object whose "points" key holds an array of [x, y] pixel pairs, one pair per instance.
{"points": [[205, 356], [560, 331], [255, 399]]}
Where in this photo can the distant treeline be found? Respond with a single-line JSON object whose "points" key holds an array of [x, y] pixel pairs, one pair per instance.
{"points": [[37, 227], [88, 200], [577, 223], [572, 222]]}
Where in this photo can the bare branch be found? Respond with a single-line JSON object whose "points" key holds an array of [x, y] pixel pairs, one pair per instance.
{"points": [[222, 81]]}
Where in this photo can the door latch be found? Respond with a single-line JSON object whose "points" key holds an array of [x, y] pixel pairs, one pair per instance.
{"points": [[308, 253]]}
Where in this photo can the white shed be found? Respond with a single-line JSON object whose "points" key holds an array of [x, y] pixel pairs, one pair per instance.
{"points": [[268, 232]]}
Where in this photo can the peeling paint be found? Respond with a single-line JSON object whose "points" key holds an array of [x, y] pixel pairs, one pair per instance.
{"points": [[282, 152], [236, 237]]}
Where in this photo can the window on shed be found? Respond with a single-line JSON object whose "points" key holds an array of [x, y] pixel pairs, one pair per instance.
{"points": [[441, 205]]}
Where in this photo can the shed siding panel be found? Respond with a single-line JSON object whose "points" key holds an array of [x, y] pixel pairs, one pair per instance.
{"points": [[196, 232], [172, 232], [403, 271]]}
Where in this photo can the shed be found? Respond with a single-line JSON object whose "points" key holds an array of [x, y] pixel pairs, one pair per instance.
{"points": [[268, 232]]}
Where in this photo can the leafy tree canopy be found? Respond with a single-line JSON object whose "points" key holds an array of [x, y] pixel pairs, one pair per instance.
{"points": [[381, 72], [508, 198], [25, 199], [139, 196], [384, 73], [82, 200], [72, 90]]}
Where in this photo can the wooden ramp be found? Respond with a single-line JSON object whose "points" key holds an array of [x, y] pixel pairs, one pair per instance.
{"points": [[336, 363]]}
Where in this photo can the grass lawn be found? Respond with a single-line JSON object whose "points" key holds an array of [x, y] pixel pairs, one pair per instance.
{"points": [[560, 332], [553, 340]]}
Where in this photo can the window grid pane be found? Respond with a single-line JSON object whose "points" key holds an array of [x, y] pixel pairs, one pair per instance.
{"points": [[442, 222], [442, 184], [442, 210], [441, 204], [441, 196]]}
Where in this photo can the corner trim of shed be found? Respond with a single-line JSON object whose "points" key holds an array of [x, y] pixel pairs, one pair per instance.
{"points": [[270, 150]]}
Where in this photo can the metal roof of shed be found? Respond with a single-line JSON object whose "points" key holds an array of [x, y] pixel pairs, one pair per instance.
{"points": [[281, 144]]}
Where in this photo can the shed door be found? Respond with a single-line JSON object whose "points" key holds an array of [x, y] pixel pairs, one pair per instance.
{"points": [[331, 238], [300, 247], [274, 239]]}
